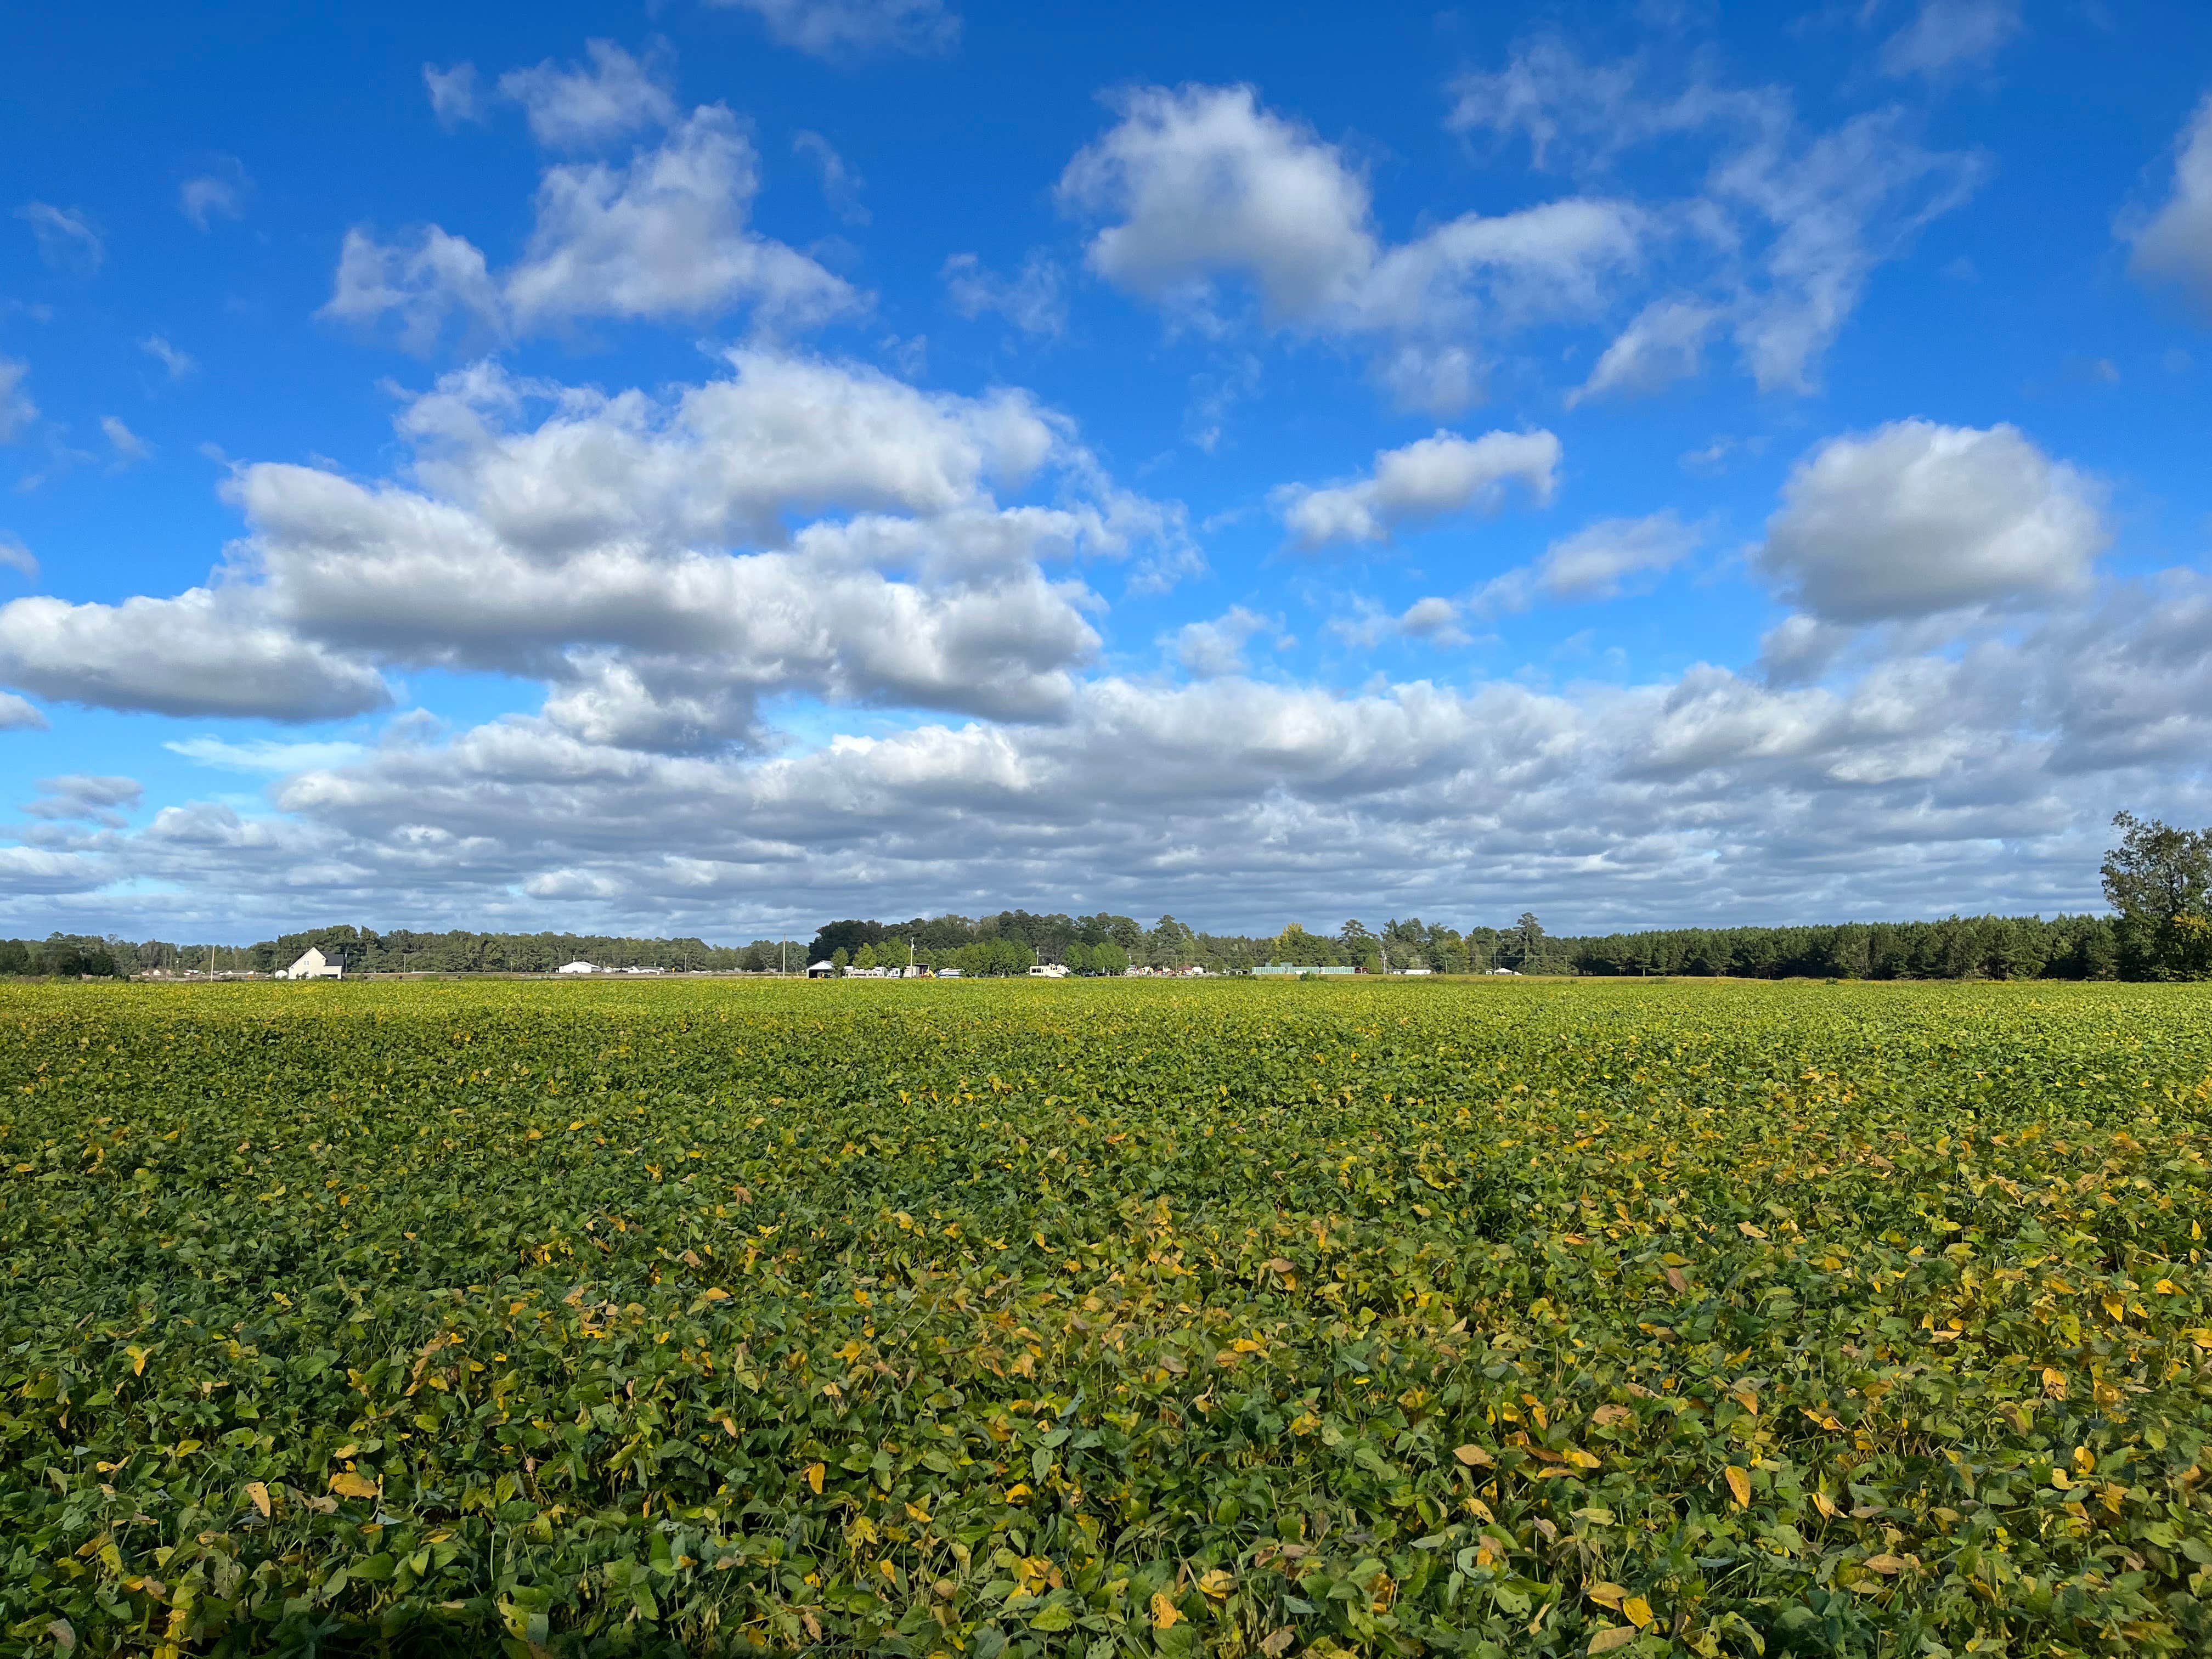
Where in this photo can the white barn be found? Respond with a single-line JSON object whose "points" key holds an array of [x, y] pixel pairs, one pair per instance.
{"points": [[313, 964], [576, 966]]}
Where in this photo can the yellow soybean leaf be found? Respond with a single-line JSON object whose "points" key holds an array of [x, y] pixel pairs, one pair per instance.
{"points": [[1884, 1563], [347, 1484], [1739, 1483], [1636, 1611], [1607, 1640], [1164, 1616], [814, 1473], [1473, 1456], [1606, 1595], [1580, 1460], [1217, 1584], [260, 1494]]}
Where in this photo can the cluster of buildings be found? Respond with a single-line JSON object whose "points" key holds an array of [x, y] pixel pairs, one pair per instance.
{"points": [[1041, 971], [313, 964]]}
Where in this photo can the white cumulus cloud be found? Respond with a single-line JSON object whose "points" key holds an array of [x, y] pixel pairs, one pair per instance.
{"points": [[663, 237], [584, 104], [202, 653], [1601, 561], [1917, 518], [659, 565], [1217, 646], [2175, 244], [1433, 479], [1202, 184]]}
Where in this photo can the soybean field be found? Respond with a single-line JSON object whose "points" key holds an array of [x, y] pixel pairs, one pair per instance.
{"points": [[1105, 1318]]}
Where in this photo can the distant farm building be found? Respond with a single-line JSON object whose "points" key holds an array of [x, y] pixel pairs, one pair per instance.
{"points": [[313, 964], [578, 967], [821, 970], [1288, 970]]}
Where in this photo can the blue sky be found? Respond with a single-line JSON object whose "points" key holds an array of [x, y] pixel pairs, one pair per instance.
{"points": [[714, 465]]}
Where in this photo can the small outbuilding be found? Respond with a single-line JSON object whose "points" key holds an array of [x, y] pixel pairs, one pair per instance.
{"points": [[577, 967], [821, 970], [313, 964]]}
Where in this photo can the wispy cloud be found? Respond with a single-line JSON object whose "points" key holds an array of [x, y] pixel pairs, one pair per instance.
{"points": [[67, 239], [176, 360], [266, 755]]}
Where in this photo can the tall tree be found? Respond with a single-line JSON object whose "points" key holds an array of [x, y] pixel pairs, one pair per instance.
{"points": [[2160, 879], [1525, 941]]}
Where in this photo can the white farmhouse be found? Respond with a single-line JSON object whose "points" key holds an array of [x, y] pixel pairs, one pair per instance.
{"points": [[579, 966], [313, 964]]}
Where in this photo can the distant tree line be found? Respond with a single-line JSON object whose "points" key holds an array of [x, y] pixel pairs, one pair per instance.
{"points": [[2157, 880], [67, 956], [1009, 943], [1011, 940], [1959, 947], [400, 951]]}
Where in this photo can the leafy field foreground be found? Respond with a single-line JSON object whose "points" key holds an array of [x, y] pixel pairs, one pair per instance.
{"points": [[1105, 1318]]}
